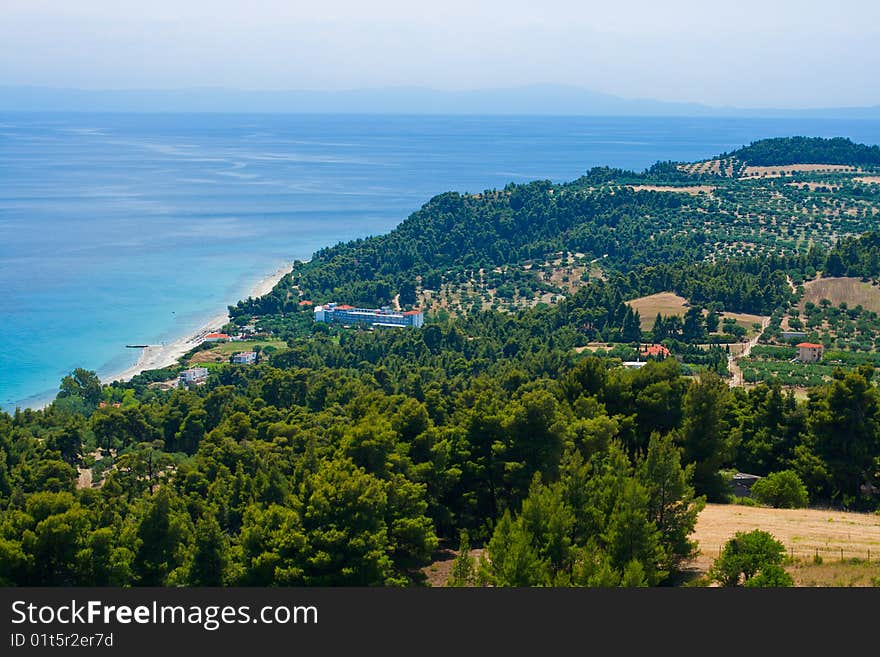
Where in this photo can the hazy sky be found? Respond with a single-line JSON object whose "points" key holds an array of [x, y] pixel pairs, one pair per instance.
{"points": [[758, 53]]}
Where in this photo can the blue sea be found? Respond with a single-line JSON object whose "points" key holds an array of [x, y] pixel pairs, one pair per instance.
{"points": [[136, 228]]}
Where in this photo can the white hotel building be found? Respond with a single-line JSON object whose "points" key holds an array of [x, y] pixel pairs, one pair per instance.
{"points": [[343, 314]]}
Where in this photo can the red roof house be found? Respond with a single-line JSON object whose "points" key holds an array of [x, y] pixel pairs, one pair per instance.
{"points": [[656, 350], [810, 352]]}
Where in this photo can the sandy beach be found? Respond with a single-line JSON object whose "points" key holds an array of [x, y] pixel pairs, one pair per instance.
{"points": [[158, 356]]}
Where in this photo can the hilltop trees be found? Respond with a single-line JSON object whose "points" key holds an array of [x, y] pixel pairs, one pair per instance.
{"points": [[807, 150]]}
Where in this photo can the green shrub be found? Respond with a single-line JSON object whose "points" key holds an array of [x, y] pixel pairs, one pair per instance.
{"points": [[770, 576], [748, 556], [782, 490]]}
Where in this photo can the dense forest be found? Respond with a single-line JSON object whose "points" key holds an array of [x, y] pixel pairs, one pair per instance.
{"points": [[808, 150], [350, 455]]}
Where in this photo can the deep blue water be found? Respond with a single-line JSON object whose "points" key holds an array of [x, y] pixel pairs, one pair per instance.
{"points": [[126, 228]]}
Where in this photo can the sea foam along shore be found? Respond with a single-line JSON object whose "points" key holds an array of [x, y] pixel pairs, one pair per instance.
{"points": [[156, 357]]}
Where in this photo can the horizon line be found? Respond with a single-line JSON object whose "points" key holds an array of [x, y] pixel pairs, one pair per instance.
{"points": [[715, 109]]}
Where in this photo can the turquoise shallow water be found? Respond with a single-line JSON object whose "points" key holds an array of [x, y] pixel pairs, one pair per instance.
{"points": [[128, 228]]}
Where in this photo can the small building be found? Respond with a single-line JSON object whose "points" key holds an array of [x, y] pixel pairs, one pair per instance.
{"points": [[193, 376], [792, 335], [634, 364], [245, 358], [809, 352], [655, 351], [741, 484], [217, 337], [383, 317]]}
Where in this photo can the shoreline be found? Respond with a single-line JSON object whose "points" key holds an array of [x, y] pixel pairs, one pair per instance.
{"points": [[156, 357]]}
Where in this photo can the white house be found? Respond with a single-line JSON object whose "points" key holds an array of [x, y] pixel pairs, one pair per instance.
{"points": [[245, 358], [192, 376]]}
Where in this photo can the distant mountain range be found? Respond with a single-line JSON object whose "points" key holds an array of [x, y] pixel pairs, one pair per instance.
{"points": [[535, 99]]}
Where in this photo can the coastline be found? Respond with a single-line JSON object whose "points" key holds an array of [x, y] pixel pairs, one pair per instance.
{"points": [[156, 357]]}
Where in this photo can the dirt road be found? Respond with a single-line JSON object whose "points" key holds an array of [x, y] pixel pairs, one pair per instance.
{"points": [[735, 370]]}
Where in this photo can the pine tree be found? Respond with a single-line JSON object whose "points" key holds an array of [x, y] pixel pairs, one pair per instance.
{"points": [[632, 536], [162, 536], [659, 331], [210, 557], [593, 568], [632, 331], [549, 522], [463, 568], [512, 559], [672, 504], [705, 435], [633, 575]]}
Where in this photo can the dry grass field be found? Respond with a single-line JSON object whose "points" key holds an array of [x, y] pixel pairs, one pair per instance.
{"points": [[593, 346], [745, 320], [665, 303], [728, 167], [850, 572], [804, 532], [669, 303], [692, 189], [776, 171], [853, 291]]}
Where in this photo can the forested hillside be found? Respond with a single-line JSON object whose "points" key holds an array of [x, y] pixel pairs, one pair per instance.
{"points": [[808, 150], [347, 456], [663, 218]]}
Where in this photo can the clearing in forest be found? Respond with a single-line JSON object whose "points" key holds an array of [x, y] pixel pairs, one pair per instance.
{"points": [[746, 320], [665, 303], [690, 189], [804, 532], [852, 291]]}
